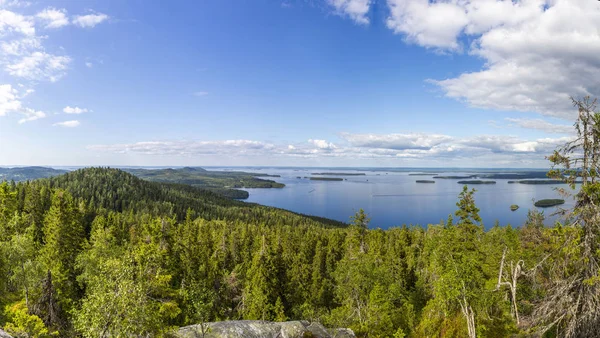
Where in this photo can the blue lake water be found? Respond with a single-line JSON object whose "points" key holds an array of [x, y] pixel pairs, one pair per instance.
{"points": [[392, 197]]}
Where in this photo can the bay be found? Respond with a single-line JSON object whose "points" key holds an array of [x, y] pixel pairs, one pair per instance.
{"points": [[392, 197]]}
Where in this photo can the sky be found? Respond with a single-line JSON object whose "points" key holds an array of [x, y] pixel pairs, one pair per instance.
{"points": [[392, 83]]}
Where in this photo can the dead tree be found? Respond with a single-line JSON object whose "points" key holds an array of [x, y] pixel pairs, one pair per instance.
{"points": [[573, 302]]}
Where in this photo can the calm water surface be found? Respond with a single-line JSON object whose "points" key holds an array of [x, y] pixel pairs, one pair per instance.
{"points": [[393, 198]]}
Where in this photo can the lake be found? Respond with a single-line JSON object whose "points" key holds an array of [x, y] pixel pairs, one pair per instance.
{"points": [[391, 197]]}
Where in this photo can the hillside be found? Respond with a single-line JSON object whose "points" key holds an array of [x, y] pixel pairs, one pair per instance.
{"points": [[19, 174], [226, 183], [119, 191]]}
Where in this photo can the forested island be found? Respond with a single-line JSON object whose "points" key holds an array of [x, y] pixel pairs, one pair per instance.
{"points": [[455, 176], [340, 174], [425, 181], [538, 182], [551, 202], [226, 183], [326, 179], [476, 182]]}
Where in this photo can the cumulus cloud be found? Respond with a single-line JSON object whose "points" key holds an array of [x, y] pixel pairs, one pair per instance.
{"points": [[542, 125], [396, 141], [200, 93], [89, 20], [482, 149], [67, 124], [31, 115], [53, 18], [74, 110], [322, 144], [9, 101], [537, 53], [39, 65], [357, 10], [189, 148], [11, 22]]}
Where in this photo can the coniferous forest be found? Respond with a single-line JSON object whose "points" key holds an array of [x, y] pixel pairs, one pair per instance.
{"points": [[99, 252]]}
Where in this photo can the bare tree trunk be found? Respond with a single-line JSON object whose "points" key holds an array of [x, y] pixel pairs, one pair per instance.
{"points": [[467, 311]]}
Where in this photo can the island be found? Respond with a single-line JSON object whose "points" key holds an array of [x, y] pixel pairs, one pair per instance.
{"points": [[517, 175], [339, 174], [550, 202], [514, 207], [455, 177], [425, 181], [225, 183], [476, 182], [539, 182], [422, 174], [326, 179]]}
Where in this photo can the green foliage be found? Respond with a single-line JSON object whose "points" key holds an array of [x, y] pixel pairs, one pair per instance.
{"points": [[99, 252], [220, 182], [21, 324]]}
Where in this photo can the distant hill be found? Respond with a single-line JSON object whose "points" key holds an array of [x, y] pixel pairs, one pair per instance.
{"points": [[120, 191], [226, 183], [28, 173]]}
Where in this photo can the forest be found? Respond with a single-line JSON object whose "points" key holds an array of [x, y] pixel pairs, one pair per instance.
{"points": [[226, 183], [99, 252]]}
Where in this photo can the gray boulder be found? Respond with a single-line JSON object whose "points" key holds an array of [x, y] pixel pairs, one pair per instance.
{"points": [[262, 329], [3, 334]]}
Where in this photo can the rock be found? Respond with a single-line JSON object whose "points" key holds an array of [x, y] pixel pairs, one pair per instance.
{"points": [[344, 333], [262, 329], [3, 334]]}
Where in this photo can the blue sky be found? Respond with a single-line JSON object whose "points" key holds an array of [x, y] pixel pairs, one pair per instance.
{"points": [[317, 83]]}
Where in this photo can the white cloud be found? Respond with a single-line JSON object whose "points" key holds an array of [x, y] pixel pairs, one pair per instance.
{"points": [[200, 93], [357, 10], [435, 24], [39, 66], [89, 64], [542, 125], [20, 47], [9, 101], [31, 115], [482, 149], [190, 148], [537, 53], [11, 22], [396, 141], [322, 144], [74, 110], [53, 18], [67, 124], [90, 20]]}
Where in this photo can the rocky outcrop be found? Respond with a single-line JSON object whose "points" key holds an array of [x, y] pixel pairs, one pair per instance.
{"points": [[262, 329], [3, 334]]}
